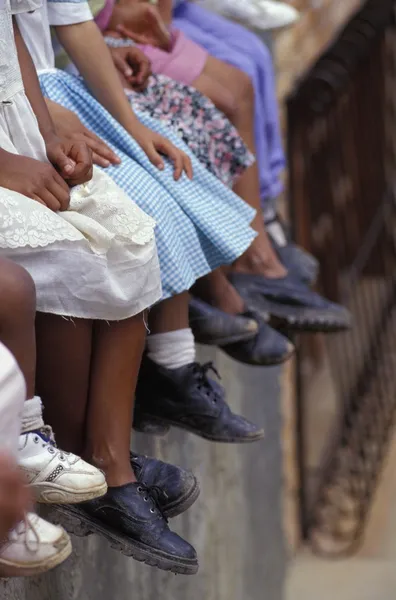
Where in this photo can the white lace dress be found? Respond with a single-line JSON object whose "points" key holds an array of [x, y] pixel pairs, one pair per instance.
{"points": [[98, 259]]}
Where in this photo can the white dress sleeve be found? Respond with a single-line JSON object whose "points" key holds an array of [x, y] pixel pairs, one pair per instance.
{"points": [[68, 12]]}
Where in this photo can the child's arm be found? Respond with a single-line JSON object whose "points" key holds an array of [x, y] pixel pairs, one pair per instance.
{"points": [[32, 87], [165, 8], [72, 160], [141, 22], [87, 49]]}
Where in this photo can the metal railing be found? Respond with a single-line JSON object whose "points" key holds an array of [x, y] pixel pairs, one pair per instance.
{"points": [[341, 138]]}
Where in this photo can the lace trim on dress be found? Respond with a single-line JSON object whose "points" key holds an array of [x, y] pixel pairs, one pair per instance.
{"points": [[99, 213]]}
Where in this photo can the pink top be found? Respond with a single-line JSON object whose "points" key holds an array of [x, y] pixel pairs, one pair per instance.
{"points": [[184, 63]]}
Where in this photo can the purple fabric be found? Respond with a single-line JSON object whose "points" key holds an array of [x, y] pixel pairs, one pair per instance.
{"points": [[236, 45]]}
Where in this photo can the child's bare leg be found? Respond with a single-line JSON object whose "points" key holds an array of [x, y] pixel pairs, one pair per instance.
{"points": [[63, 369], [17, 314], [116, 357]]}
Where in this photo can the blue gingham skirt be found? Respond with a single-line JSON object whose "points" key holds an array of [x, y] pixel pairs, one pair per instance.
{"points": [[201, 224]]}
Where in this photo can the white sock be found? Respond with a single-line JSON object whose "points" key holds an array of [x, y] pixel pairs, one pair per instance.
{"points": [[32, 415], [173, 349]]}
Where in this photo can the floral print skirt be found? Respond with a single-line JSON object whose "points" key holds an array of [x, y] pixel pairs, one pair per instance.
{"points": [[193, 117]]}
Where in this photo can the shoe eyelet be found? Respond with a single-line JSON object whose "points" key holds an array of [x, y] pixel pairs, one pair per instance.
{"points": [[145, 499], [139, 489], [51, 450], [152, 510], [36, 439]]}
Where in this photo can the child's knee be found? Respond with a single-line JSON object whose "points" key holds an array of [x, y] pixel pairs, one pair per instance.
{"points": [[17, 291]]}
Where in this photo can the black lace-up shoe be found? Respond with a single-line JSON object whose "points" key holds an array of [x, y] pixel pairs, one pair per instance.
{"points": [[187, 398], [174, 488], [129, 518]]}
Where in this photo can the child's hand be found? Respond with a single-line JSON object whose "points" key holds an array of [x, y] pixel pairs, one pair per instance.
{"points": [[154, 145], [14, 496], [72, 158], [142, 23], [34, 179], [69, 126], [133, 65]]}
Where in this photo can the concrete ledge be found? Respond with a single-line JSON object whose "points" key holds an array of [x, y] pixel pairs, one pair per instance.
{"points": [[236, 525]]}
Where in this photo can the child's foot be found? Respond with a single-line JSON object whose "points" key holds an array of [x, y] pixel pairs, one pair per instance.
{"points": [[175, 488], [129, 518], [33, 547], [57, 477], [187, 398]]}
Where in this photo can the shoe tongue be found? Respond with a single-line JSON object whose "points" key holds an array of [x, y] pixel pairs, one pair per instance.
{"points": [[42, 435]]}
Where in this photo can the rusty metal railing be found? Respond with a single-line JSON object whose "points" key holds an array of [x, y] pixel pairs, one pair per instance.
{"points": [[341, 137]]}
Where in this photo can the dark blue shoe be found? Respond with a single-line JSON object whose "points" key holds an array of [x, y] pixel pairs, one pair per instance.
{"points": [[188, 399], [174, 488], [291, 304], [129, 518], [213, 327], [268, 347], [299, 263]]}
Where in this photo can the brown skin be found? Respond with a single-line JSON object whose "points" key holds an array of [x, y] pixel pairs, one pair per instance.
{"points": [[73, 160], [17, 315], [69, 126], [15, 499], [85, 45], [133, 66], [88, 387], [142, 23], [34, 179]]}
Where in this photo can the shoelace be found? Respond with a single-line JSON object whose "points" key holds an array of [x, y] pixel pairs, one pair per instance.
{"points": [[154, 490], [151, 495], [46, 434], [200, 373], [28, 526]]}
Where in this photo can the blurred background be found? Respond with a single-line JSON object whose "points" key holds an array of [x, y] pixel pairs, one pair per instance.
{"points": [[309, 513]]}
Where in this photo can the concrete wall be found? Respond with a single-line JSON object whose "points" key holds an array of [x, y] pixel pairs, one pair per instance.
{"points": [[236, 525]]}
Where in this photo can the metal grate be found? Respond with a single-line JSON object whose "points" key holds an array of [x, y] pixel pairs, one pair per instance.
{"points": [[341, 136]]}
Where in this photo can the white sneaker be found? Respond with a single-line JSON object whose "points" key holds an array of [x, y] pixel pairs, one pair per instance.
{"points": [[57, 477], [34, 546], [255, 14]]}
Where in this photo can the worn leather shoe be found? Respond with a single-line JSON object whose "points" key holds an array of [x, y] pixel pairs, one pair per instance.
{"points": [[268, 347], [291, 303], [187, 398], [174, 488], [129, 518], [300, 264], [213, 327]]}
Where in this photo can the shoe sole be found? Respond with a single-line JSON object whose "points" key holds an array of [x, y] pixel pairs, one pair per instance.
{"points": [[268, 362], [47, 493], [180, 506], [88, 525], [12, 569], [304, 319], [156, 426]]}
